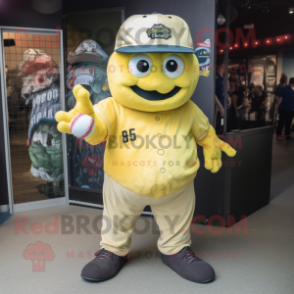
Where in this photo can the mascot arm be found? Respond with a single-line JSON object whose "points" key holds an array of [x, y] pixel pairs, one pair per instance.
{"points": [[101, 127], [212, 146], [83, 106]]}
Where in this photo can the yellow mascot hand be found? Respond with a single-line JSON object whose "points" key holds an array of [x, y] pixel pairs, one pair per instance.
{"points": [[212, 147], [83, 106]]}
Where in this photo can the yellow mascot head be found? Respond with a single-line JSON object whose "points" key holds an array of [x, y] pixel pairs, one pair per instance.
{"points": [[154, 67]]}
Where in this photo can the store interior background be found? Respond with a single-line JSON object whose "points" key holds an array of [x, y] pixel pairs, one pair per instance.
{"points": [[269, 241], [269, 25], [271, 20], [272, 24]]}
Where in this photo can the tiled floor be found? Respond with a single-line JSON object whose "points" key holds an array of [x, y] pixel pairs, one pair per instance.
{"points": [[259, 261]]}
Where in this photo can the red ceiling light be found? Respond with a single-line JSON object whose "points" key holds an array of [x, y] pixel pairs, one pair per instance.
{"points": [[236, 45], [286, 37], [268, 41], [256, 43], [221, 51], [245, 44], [231, 48], [278, 40]]}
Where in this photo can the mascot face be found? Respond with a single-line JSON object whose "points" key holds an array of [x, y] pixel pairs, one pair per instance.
{"points": [[152, 82]]}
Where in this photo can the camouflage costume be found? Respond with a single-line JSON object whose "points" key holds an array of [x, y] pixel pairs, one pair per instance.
{"points": [[87, 67], [40, 89]]}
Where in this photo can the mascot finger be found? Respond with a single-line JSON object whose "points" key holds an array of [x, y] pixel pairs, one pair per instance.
{"points": [[63, 127], [228, 150], [216, 165], [64, 116], [84, 104], [208, 163]]}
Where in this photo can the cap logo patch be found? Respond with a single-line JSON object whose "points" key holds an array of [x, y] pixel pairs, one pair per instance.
{"points": [[159, 31]]}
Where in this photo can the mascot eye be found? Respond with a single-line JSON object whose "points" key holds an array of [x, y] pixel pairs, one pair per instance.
{"points": [[173, 66], [140, 66]]}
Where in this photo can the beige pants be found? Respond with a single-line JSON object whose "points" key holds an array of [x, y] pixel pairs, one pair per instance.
{"points": [[122, 209]]}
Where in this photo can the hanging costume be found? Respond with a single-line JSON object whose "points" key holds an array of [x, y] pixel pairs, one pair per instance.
{"points": [[151, 128], [87, 67], [40, 89]]}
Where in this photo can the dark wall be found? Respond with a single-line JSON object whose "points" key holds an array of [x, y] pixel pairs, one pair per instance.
{"points": [[242, 185], [20, 14], [209, 190], [248, 182]]}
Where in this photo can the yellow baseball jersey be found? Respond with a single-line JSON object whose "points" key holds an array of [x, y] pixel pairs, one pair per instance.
{"points": [[152, 154]]}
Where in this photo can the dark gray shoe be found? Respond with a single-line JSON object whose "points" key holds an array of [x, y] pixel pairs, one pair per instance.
{"points": [[188, 266], [104, 267]]}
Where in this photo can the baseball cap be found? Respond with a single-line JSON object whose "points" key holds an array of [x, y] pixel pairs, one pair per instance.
{"points": [[147, 33]]}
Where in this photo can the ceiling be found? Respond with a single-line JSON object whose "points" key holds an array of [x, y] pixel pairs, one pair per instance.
{"points": [[270, 18]]}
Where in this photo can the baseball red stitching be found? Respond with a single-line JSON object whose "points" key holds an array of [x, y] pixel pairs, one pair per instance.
{"points": [[88, 129], [74, 120]]}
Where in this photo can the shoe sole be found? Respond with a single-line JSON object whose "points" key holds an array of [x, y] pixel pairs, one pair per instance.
{"points": [[207, 281], [94, 280]]}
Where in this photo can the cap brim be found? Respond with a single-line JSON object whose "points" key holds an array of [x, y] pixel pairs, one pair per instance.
{"points": [[155, 49]]}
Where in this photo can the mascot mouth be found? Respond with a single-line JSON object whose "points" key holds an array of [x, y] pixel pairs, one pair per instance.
{"points": [[85, 79], [154, 95]]}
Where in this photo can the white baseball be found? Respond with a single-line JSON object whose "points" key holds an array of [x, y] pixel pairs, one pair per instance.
{"points": [[82, 125]]}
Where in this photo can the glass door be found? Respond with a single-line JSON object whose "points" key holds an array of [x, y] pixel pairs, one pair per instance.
{"points": [[32, 92]]}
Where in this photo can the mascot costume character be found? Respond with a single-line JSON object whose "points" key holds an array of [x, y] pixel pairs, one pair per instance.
{"points": [[40, 89], [148, 123]]}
